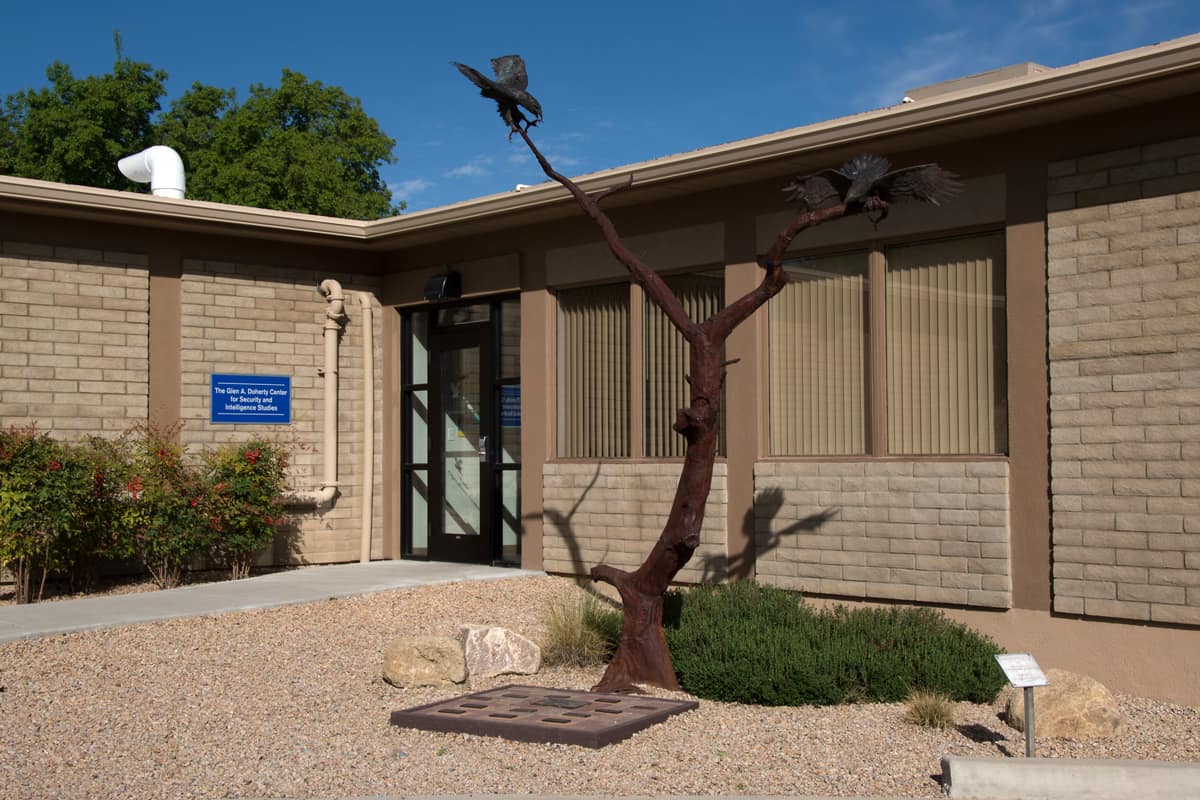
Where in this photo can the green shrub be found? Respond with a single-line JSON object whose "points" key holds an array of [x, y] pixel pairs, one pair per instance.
{"points": [[929, 709], [94, 536], [246, 483], [165, 521], [747, 643], [65, 508], [580, 630], [42, 492]]}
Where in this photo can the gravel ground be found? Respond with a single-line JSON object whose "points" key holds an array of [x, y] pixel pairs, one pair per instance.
{"points": [[288, 702]]}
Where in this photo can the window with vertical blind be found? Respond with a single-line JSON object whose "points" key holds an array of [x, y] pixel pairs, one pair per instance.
{"points": [[596, 367], [593, 372], [818, 346], [939, 333], [945, 347], [665, 361]]}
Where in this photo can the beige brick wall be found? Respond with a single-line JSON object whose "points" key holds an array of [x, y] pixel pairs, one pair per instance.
{"points": [[932, 532], [74, 341], [1124, 296], [254, 320], [613, 513]]}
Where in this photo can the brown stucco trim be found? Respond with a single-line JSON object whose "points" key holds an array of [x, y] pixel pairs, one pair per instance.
{"points": [[392, 425], [1028, 385], [480, 278], [742, 391], [165, 337], [538, 420]]}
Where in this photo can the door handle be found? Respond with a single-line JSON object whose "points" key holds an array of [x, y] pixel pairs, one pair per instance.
{"points": [[483, 450]]}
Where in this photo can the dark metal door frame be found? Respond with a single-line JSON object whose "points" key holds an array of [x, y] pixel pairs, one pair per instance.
{"points": [[462, 547]]}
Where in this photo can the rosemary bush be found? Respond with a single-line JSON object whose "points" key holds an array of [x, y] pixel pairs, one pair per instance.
{"points": [[747, 643]]}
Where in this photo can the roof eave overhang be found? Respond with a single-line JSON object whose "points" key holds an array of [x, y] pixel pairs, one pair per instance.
{"points": [[105, 205], [1102, 78], [1104, 83]]}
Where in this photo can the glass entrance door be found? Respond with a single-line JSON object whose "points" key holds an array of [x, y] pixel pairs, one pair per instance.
{"points": [[461, 438], [462, 411]]}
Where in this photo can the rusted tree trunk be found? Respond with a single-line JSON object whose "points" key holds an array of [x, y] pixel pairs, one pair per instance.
{"points": [[642, 656]]}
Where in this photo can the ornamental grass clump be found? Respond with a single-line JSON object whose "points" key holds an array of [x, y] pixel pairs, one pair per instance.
{"points": [[747, 643], [246, 483], [581, 631], [929, 709]]}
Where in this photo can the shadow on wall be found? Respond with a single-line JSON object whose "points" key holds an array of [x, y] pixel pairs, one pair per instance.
{"points": [[286, 547], [714, 568], [562, 523], [767, 504]]}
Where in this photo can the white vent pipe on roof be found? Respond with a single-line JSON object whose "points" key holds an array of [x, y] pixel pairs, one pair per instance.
{"points": [[160, 166]]}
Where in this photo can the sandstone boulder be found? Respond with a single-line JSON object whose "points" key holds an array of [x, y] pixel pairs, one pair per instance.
{"points": [[1073, 706], [494, 651], [424, 661]]}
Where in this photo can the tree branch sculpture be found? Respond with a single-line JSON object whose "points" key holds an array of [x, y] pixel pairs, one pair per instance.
{"points": [[642, 656]]}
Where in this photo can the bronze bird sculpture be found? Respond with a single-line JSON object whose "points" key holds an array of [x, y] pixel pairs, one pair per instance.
{"points": [[508, 90], [866, 181]]}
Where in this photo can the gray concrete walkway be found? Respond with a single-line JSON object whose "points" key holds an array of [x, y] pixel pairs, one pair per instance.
{"points": [[306, 585]]}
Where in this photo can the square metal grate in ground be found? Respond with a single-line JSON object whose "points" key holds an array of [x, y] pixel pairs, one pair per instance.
{"points": [[539, 714]]}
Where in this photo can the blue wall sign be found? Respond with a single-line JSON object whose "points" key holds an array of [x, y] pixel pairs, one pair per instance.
{"points": [[510, 406], [256, 399]]}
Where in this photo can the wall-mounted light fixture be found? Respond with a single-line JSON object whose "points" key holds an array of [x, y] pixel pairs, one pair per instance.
{"points": [[443, 287]]}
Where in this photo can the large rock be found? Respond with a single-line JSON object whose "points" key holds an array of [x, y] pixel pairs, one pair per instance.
{"points": [[498, 651], [424, 661], [1073, 706]]}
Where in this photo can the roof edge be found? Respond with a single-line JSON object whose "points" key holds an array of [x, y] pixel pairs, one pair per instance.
{"points": [[1098, 74], [95, 202], [1105, 72]]}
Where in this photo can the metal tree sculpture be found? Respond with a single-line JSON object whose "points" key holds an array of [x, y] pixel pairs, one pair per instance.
{"points": [[863, 184]]}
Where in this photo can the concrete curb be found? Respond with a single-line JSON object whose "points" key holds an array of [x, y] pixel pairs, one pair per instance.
{"points": [[607, 797], [1068, 779]]}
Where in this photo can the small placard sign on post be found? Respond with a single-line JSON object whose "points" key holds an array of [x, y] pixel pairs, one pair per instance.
{"points": [[1024, 673]]}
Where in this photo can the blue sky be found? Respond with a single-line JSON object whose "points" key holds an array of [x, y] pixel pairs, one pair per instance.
{"points": [[620, 82]]}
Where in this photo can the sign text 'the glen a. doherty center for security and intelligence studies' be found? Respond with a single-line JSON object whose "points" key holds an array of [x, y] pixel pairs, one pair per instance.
{"points": [[252, 399]]}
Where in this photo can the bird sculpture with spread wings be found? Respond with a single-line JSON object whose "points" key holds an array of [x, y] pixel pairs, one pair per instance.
{"points": [[866, 181], [508, 90]]}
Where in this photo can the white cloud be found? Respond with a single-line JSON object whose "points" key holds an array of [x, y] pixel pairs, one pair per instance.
{"points": [[474, 168], [406, 189], [826, 24], [563, 160], [915, 67]]}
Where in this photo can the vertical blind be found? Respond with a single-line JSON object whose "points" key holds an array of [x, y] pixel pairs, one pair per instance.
{"points": [[818, 346], [666, 356], [593, 372], [945, 347]]}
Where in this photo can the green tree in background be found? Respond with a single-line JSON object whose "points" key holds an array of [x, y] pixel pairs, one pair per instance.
{"points": [[302, 146], [75, 129]]}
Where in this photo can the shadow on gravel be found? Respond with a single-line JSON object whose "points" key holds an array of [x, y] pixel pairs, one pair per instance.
{"points": [[985, 735]]}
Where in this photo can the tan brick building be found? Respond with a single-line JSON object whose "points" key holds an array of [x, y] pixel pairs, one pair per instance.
{"points": [[992, 407]]}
